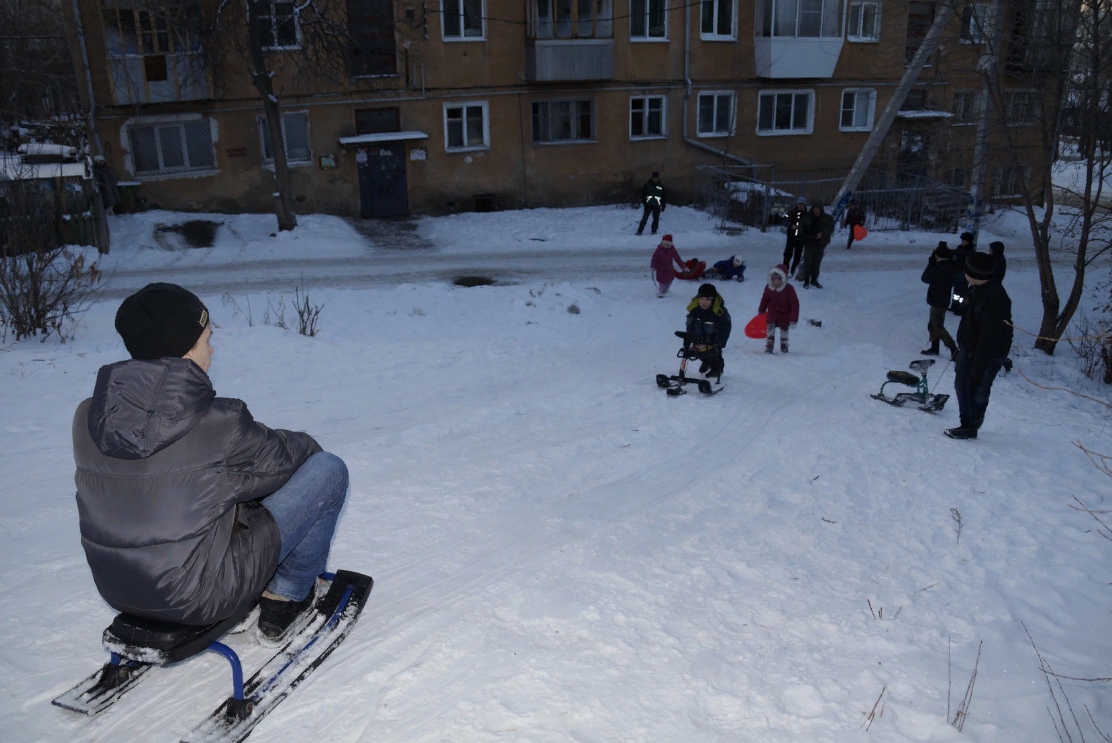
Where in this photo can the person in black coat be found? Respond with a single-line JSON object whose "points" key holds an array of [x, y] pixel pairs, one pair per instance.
{"points": [[654, 200], [939, 278], [984, 339], [965, 248], [793, 250], [708, 329], [999, 262]]}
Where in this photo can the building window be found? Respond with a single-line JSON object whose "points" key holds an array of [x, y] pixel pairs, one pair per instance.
{"points": [[716, 114], [717, 19], [965, 107], [916, 100], [858, 106], [1021, 106], [864, 22], [802, 18], [978, 23], [958, 178], [1009, 181], [279, 24], [130, 31], [376, 120], [463, 19], [295, 135], [785, 112], [648, 19], [573, 19], [371, 31], [465, 127], [171, 147], [646, 116], [563, 121]]}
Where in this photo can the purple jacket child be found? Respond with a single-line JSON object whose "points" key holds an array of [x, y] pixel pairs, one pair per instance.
{"points": [[664, 263]]}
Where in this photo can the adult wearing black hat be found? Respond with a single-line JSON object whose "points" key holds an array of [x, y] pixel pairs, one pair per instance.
{"points": [[793, 250], [708, 329], [189, 509], [984, 339], [654, 201], [939, 278], [966, 247]]}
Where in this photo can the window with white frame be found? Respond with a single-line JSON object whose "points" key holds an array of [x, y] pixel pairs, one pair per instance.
{"points": [[717, 19], [716, 114], [648, 19], [864, 21], [279, 24], [572, 19], [785, 112], [462, 19], [563, 121], [465, 126], [295, 136], [858, 105], [965, 107], [171, 146], [646, 116], [1009, 181], [978, 23], [802, 18], [1021, 106]]}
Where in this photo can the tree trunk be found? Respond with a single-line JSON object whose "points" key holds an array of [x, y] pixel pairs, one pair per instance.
{"points": [[261, 77]]}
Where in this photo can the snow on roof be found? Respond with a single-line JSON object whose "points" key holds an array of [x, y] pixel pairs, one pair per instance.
{"points": [[14, 169], [924, 114], [43, 149], [382, 137]]}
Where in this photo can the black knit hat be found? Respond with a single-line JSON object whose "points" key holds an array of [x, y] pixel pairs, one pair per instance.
{"points": [[708, 290], [161, 320], [979, 266], [996, 246], [967, 237]]}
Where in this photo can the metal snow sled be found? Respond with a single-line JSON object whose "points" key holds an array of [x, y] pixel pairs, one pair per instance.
{"points": [[926, 401], [136, 645], [674, 385]]}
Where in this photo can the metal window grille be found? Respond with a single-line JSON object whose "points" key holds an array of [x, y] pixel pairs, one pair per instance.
{"points": [[171, 147], [295, 136]]}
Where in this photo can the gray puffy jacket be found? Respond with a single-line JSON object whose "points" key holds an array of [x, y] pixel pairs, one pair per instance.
{"points": [[166, 475]]}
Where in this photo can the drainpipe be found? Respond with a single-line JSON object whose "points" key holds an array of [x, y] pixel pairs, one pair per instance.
{"points": [[103, 237], [687, 94]]}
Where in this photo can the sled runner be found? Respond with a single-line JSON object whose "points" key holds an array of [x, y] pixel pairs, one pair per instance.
{"points": [[674, 385], [136, 645], [927, 402]]}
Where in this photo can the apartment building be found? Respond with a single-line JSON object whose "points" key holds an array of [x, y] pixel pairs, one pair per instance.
{"points": [[464, 105]]}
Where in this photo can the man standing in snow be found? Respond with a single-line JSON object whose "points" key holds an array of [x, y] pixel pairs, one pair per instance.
{"points": [[189, 509], [984, 339], [817, 227], [793, 250], [939, 278], [653, 201], [855, 215]]}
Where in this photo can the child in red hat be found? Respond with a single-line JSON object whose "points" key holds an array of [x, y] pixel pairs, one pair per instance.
{"points": [[664, 263]]}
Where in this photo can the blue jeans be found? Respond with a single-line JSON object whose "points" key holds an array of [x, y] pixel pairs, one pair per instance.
{"points": [[973, 399], [306, 509]]}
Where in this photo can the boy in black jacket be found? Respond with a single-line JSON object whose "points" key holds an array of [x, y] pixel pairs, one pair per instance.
{"points": [[939, 278], [984, 339], [708, 329]]}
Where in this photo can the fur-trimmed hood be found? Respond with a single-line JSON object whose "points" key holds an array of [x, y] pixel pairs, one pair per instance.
{"points": [[782, 271]]}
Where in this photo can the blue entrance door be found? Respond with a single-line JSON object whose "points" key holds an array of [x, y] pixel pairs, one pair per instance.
{"points": [[382, 185]]}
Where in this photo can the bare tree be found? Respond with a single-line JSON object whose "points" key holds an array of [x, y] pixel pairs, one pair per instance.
{"points": [[1049, 60], [284, 48]]}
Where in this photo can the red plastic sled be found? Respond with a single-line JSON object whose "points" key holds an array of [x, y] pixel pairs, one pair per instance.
{"points": [[695, 270], [859, 232], [757, 327]]}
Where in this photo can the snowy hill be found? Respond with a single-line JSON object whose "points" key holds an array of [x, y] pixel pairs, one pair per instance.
{"points": [[560, 551]]}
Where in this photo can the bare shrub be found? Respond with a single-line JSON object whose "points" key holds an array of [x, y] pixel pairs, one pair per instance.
{"points": [[307, 312]]}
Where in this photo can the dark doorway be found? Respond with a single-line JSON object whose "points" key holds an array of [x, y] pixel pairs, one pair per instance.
{"points": [[382, 182]]}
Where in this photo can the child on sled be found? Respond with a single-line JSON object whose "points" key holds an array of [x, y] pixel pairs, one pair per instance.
{"points": [[708, 329]]}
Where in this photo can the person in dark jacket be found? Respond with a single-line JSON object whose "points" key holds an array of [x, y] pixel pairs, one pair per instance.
{"points": [[781, 304], [654, 201], [708, 329], [999, 262], [984, 339], [855, 215], [665, 264], [731, 268], [793, 250], [966, 247], [939, 278], [817, 228], [189, 510]]}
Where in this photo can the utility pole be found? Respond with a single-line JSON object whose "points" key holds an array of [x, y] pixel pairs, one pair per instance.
{"points": [[884, 121]]}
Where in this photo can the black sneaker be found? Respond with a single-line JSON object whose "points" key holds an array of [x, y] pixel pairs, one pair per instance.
{"points": [[816, 284], [278, 620], [1007, 364], [806, 284], [704, 367], [961, 432], [932, 351]]}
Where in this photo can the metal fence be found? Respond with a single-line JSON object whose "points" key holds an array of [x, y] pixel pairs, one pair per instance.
{"points": [[37, 215], [760, 196]]}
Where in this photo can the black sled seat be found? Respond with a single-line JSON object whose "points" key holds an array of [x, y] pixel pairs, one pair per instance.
{"points": [[161, 643], [921, 396]]}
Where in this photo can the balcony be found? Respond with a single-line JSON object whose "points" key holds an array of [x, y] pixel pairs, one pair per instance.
{"points": [[784, 57], [560, 60], [157, 78]]}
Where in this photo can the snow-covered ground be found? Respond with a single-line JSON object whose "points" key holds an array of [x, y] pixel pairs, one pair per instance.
{"points": [[563, 553]]}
